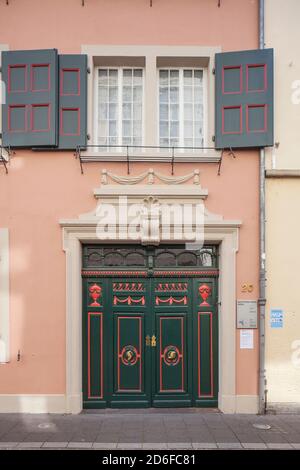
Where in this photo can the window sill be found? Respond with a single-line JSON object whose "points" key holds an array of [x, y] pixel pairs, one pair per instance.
{"points": [[205, 156]]}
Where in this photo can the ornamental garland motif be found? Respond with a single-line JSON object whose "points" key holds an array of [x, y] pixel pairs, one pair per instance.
{"points": [[151, 174], [129, 300], [171, 300]]}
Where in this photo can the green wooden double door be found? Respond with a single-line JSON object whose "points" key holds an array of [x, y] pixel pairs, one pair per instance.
{"points": [[150, 342]]}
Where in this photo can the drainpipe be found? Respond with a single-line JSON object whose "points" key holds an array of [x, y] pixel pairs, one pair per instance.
{"points": [[262, 242]]}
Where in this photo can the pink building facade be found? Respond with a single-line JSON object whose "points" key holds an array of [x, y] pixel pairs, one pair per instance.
{"points": [[150, 81]]}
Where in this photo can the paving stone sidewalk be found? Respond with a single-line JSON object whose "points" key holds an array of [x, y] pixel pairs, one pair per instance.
{"points": [[149, 429]]}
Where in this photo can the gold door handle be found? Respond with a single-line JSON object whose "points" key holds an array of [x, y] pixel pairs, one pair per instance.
{"points": [[153, 341], [147, 340]]}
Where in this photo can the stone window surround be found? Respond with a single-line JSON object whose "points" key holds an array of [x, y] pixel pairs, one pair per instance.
{"points": [[153, 57]]}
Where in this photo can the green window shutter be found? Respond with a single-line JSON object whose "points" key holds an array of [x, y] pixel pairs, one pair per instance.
{"points": [[72, 101], [29, 115], [244, 99]]}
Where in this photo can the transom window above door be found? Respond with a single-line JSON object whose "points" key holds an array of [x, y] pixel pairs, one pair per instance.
{"points": [[181, 107], [119, 120]]}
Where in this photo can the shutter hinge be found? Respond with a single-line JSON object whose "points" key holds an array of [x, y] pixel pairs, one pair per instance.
{"points": [[214, 71], [213, 138], [88, 137], [88, 70]]}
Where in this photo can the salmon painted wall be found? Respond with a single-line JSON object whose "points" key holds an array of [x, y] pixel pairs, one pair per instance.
{"points": [[42, 188]]}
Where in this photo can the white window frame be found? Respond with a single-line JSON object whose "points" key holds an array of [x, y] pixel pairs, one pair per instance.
{"points": [[181, 107], [120, 102]]}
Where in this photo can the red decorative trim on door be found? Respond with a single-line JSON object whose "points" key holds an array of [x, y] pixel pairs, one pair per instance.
{"points": [[89, 355], [171, 300], [204, 292], [128, 286], [115, 273], [211, 358], [95, 292], [171, 286], [129, 300], [161, 356], [212, 273], [138, 355]]}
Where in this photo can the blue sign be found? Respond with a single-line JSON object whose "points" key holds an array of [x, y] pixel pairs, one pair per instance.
{"points": [[276, 320]]}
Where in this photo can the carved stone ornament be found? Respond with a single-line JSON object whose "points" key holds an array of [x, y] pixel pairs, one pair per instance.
{"points": [[150, 175]]}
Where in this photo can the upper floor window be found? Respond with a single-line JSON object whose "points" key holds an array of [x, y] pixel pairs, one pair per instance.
{"points": [[119, 119], [181, 107]]}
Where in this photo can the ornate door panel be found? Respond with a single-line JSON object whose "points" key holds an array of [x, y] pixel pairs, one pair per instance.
{"points": [[94, 342], [150, 335], [129, 358], [205, 340], [172, 384]]}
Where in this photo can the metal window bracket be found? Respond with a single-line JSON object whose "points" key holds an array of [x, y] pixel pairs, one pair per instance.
{"points": [[230, 153], [3, 160]]}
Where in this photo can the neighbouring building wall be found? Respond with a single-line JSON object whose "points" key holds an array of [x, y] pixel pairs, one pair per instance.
{"points": [[282, 210]]}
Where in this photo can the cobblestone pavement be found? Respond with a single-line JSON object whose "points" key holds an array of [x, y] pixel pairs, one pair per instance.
{"points": [[149, 429]]}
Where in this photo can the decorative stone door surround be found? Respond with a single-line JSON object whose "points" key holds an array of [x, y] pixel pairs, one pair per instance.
{"points": [[216, 230]]}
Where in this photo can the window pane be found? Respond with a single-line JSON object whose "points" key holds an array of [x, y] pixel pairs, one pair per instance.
{"points": [[126, 128], [113, 111], [174, 77], [174, 94], [188, 129], [103, 128], [198, 112], [103, 94], [163, 77], [113, 77], [113, 94], [137, 128], [164, 142], [164, 112], [164, 95], [103, 77], [164, 129], [188, 77], [174, 112], [188, 111], [103, 111], [137, 111], [174, 131], [127, 111], [120, 100], [127, 77], [127, 93], [112, 128], [137, 93], [188, 94], [198, 77]]}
